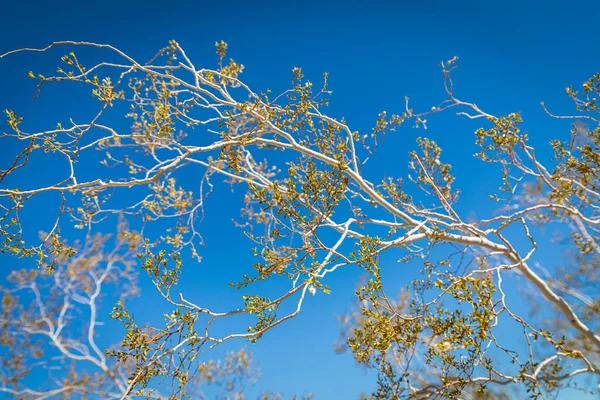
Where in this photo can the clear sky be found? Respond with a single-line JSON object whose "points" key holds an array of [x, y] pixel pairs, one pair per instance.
{"points": [[513, 54]]}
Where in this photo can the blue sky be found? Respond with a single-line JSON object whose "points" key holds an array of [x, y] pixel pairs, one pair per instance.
{"points": [[513, 54]]}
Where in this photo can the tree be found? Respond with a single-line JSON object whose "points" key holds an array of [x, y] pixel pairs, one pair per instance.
{"points": [[55, 335], [310, 210]]}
